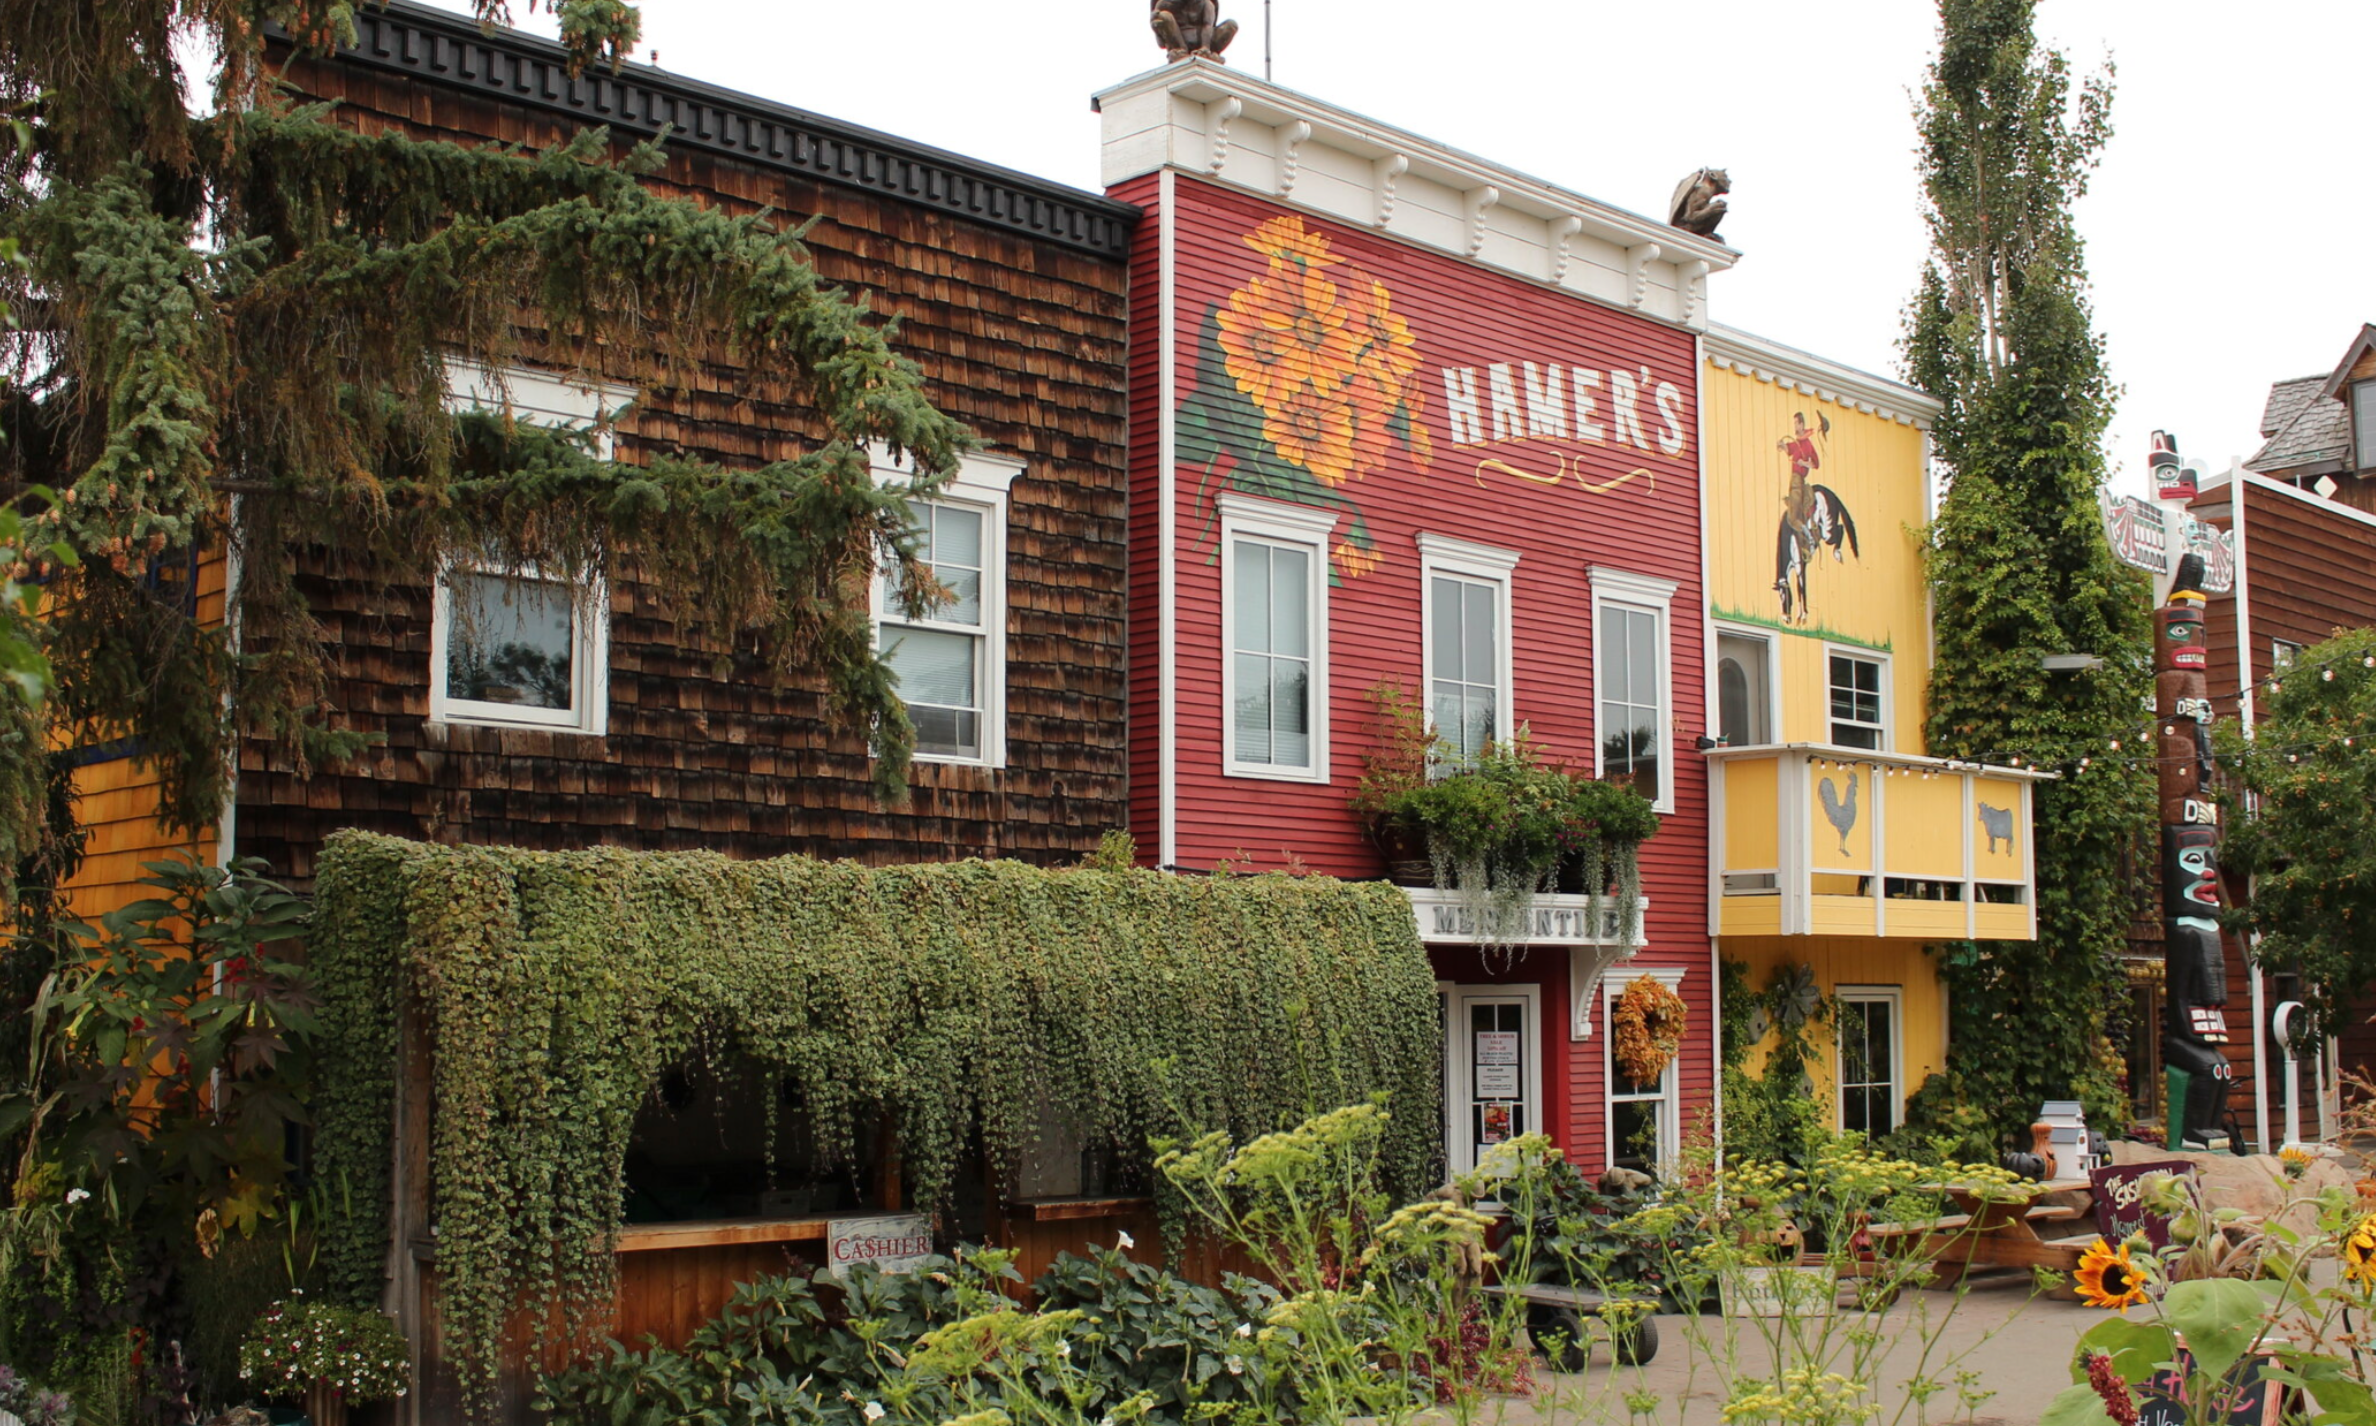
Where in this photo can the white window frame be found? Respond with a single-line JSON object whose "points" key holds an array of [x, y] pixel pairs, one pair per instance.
{"points": [[1888, 691], [1479, 564], [1460, 1152], [1645, 594], [589, 658], [1670, 1084], [1773, 690], [1306, 530], [542, 398], [984, 482], [2363, 424], [1894, 997]]}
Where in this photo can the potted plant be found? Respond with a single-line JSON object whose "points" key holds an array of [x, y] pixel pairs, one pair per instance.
{"points": [[331, 1357], [1496, 830], [1400, 761]]}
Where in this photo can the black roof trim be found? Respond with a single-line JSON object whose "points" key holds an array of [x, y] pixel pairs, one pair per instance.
{"points": [[639, 101]]}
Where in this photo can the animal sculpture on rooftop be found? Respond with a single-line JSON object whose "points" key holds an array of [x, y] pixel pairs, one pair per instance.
{"points": [[1698, 205], [1187, 28]]}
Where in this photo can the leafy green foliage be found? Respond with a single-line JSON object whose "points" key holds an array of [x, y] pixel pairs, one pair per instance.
{"points": [[946, 1001], [2019, 566], [1771, 1112], [2309, 840], [174, 1051]]}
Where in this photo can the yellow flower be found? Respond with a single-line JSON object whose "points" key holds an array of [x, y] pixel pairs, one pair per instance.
{"points": [[2294, 1159], [1352, 561], [2359, 1252], [2108, 1277], [1328, 364]]}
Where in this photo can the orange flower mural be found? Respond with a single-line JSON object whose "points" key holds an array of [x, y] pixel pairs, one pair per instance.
{"points": [[1319, 381]]}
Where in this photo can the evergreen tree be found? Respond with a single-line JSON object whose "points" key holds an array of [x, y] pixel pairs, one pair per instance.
{"points": [[2310, 843], [1999, 332], [238, 327]]}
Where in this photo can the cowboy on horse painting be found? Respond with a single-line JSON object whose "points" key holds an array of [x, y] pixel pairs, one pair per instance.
{"points": [[1812, 515]]}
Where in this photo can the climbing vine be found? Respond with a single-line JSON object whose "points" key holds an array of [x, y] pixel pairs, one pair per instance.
{"points": [[2000, 333], [556, 989]]}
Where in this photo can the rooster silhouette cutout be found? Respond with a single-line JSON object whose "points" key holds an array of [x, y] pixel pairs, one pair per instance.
{"points": [[1839, 811]]}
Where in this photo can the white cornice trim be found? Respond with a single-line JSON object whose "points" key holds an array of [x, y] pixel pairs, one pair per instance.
{"points": [[1227, 126], [1625, 585], [1445, 550], [1613, 983], [1730, 349], [1303, 519], [979, 473]]}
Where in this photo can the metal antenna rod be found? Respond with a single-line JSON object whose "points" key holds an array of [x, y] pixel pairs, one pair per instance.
{"points": [[1266, 4]]}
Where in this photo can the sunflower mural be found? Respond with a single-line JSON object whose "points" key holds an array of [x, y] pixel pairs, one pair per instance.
{"points": [[1306, 380]]}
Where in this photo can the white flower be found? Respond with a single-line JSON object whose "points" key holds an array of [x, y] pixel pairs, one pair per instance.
{"points": [[1245, 1329], [1064, 1350], [77, 1195], [1124, 1239], [872, 1411], [1237, 1366]]}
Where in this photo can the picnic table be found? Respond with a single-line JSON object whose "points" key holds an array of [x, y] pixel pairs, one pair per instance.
{"points": [[1983, 1231]]}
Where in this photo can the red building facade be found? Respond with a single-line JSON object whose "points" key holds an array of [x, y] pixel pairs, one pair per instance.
{"points": [[1461, 462]]}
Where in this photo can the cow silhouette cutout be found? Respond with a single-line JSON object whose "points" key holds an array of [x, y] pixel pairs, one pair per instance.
{"points": [[1997, 822]]}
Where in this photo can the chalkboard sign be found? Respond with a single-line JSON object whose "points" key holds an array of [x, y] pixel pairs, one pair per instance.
{"points": [[2260, 1402], [2119, 1200]]}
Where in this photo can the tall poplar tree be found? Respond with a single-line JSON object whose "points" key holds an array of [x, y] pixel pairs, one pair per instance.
{"points": [[2000, 333]]}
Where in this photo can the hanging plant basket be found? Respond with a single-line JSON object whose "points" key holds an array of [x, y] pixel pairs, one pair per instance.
{"points": [[1647, 1029]]}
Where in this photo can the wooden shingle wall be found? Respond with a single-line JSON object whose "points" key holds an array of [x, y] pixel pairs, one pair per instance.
{"points": [[1020, 337]]}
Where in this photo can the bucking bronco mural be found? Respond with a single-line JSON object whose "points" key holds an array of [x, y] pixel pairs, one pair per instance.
{"points": [[1813, 515]]}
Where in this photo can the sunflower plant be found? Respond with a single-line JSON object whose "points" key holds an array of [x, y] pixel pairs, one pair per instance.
{"points": [[2228, 1322]]}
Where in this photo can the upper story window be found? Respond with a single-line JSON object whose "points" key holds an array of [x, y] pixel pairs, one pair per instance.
{"points": [[1859, 700], [2363, 423], [1274, 673], [951, 658], [1466, 642], [511, 645], [2282, 653], [1744, 689], [1632, 681]]}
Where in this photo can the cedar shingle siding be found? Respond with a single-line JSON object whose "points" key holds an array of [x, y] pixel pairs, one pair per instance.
{"points": [[1019, 322]]}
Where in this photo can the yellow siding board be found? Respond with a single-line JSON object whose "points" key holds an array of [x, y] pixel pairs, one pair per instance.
{"points": [[1838, 962], [1840, 915], [1751, 916], [1873, 598], [1749, 825], [1996, 922], [1923, 826], [1925, 920]]}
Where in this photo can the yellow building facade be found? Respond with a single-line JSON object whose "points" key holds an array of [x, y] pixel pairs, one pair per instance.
{"points": [[1837, 843]]}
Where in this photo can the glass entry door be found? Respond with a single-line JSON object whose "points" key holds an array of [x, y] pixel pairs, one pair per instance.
{"points": [[1494, 1079]]}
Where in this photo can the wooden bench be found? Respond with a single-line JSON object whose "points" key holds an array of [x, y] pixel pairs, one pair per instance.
{"points": [[1555, 1321]]}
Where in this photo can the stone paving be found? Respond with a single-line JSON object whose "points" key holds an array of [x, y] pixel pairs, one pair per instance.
{"points": [[2017, 1345]]}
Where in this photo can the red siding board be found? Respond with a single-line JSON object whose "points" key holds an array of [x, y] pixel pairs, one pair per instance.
{"points": [[1460, 315]]}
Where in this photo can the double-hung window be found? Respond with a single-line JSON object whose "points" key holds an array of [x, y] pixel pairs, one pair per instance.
{"points": [[1871, 1095], [1632, 681], [510, 644], [1274, 615], [2363, 423], [950, 656], [1859, 686], [1645, 1116], [1465, 614]]}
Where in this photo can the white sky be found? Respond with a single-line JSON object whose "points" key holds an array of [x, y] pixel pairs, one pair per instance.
{"points": [[2227, 229]]}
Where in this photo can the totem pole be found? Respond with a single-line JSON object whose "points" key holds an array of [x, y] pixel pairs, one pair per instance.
{"points": [[2194, 973]]}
